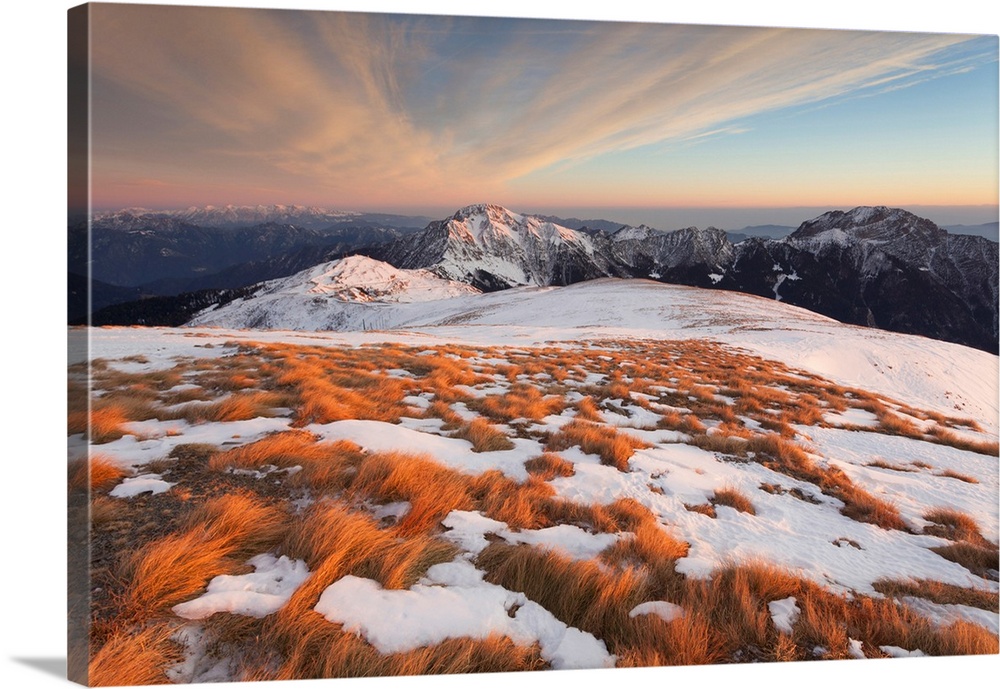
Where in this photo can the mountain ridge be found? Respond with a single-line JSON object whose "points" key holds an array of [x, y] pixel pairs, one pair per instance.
{"points": [[871, 265]]}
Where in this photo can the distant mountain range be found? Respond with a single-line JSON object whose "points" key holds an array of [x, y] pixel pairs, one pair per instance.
{"points": [[871, 266]]}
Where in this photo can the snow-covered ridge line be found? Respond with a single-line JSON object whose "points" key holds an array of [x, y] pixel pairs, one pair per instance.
{"points": [[946, 377]]}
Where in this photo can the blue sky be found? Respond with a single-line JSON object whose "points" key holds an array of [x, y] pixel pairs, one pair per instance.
{"points": [[207, 105]]}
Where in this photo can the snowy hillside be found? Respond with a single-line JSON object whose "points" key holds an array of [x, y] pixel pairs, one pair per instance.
{"points": [[352, 293], [946, 376], [613, 473]]}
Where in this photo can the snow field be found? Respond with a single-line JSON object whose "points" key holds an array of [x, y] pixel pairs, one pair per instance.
{"points": [[809, 538]]}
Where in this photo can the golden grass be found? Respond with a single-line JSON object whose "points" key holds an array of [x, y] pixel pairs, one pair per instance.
{"points": [[587, 410], [135, 656], [580, 593], [725, 617], [96, 473], [431, 489], [484, 436], [218, 537], [324, 467], [685, 423], [954, 525], [548, 466], [324, 651], [104, 510], [720, 443], [100, 425], [238, 406], [882, 464], [788, 458], [520, 505], [939, 592], [978, 559], [613, 447], [990, 448], [440, 409], [651, 550], [522, 401], [949, 473], [732, 497]]}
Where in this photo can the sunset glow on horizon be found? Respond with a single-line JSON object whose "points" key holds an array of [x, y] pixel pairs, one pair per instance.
{"points": [[198, 105]]}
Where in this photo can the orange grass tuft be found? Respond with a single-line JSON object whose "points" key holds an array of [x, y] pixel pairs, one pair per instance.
{"points": [[218, 537], [135, 656], [614, 448], [548, 466], [97, 472], [484, 436]]}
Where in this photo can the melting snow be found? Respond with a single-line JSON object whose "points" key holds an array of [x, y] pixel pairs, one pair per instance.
{"points": [[668, 612], [258, 594], [146, 483], [453, 601], [784, 613]]}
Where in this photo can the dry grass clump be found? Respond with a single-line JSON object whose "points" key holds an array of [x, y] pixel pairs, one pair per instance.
{"points": [[326, 466], [882, 464], [720, 443], [431, 489], [587, 410], [218, 537], [981, 560], [954, 525], [732, 497], [806, 410], [685, 423], [939, 592], [970, 549], [105, 421], [335, 542], [325, 651], [894, 424], [525, 505], [320, 401], [707, 509], [940, 434], [484, 436], [862, 506], [613, 447], [96, 472], [439, 409], [135, 656], [651, 550], [238, 406], [949, 473], [580, 593], [788, 458], [548, 466], [522, 401], [104, 510]]}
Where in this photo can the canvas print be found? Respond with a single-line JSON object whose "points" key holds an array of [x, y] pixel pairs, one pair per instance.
{"points": [[413, 344]]}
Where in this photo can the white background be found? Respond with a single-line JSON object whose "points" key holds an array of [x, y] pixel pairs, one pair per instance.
{"points": [[32, 237]]}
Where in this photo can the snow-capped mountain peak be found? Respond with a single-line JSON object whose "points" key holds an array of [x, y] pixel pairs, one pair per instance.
{"points": [[493, 248], [361, 279], [346, 294], [875, 224]]}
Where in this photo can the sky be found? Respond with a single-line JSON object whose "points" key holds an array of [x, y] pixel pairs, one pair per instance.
{"points": [[208, 105]]}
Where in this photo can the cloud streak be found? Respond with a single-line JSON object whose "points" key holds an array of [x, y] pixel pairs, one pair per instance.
{"points": [[383, 108]]}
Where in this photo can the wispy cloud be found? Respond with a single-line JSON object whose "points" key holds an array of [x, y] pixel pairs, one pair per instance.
{"points": [[371, 106]]}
